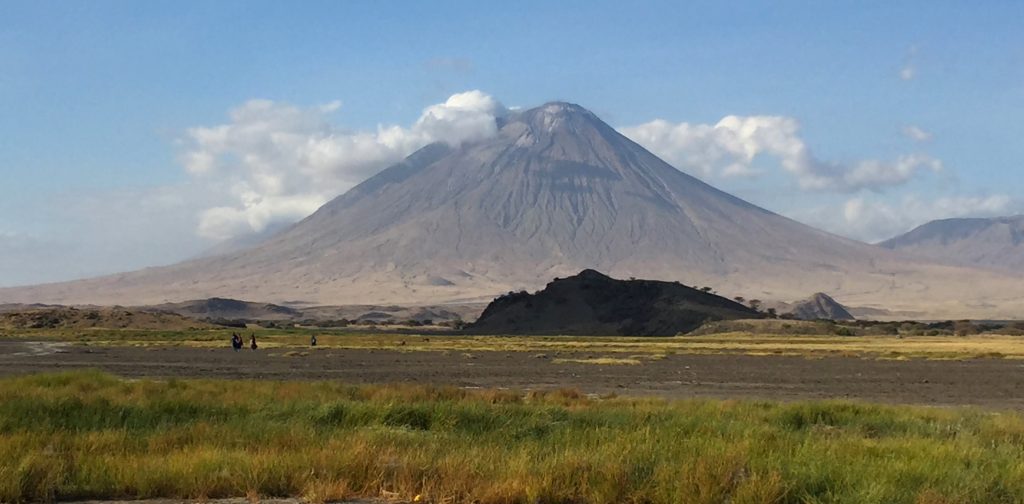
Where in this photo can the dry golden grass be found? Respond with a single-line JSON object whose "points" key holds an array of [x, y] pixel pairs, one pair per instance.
{"points": [[812, 346], [601, 361]]}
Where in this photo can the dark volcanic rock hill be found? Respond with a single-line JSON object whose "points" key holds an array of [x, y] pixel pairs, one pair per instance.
{"points": [[989, 243], [820, 306], [591, 303]]}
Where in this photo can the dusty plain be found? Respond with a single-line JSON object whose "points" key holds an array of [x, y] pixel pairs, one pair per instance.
{"points": [[986, 371]]}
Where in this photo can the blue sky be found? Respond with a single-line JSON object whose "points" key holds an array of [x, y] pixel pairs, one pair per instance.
{"points": [[100, 104]]}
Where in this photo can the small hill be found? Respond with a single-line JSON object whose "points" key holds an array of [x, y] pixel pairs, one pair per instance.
{"points": [[97, 318], [591, 303], [228, 309], [990, 243], [234, 309], [820, 306], [434, 313]]}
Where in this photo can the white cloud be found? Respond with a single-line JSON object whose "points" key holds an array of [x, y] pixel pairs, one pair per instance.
{"points": [[279, 162], [275, 162], [729, 149], [873, 220], [875, 174], [917, 134], [908, 71]]}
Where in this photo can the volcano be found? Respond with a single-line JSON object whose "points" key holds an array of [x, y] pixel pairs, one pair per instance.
{"points": [[553, 192], [996, 243]]}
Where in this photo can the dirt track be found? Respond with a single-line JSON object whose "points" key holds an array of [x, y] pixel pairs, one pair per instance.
{"points": [[992, 383]]}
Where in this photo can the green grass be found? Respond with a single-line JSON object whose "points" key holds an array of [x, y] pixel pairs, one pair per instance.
{"points": [[93, 436]]}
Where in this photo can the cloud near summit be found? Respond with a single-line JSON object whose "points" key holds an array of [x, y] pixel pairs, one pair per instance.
{"points": [[730, 147], [276, 162]]}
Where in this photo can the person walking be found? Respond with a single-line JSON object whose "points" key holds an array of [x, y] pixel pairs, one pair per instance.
{"points": [[236, 341], [252, 341], [312, 340]]}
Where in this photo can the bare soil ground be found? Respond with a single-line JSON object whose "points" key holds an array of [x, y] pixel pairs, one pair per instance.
{"points": [[228, 501], [990, 383]]}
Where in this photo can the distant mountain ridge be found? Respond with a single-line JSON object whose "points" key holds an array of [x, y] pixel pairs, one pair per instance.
{"points": [[989, 243], [553, 192]]}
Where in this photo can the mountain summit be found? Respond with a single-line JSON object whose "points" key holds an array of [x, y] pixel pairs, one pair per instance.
{"points": [[988, 243], [554, 191]]}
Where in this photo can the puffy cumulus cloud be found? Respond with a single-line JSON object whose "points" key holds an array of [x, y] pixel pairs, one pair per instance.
{"points": [[873, 220], [463, 117], [279, 162], [730, 147], [727, 148]]}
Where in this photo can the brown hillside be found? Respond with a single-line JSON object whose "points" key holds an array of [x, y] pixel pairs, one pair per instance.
{"points": [[99, 318]]}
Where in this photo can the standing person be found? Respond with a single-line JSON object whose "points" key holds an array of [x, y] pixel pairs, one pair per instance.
{"points": [[236, 341], [252, 341], [312, 340]]}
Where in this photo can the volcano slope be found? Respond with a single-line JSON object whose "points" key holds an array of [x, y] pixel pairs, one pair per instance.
{"points": [[555, 190], [591, 303], [996, 243]]}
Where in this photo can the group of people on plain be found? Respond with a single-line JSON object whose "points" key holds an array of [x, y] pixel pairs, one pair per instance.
{"points": [[236, 341]]}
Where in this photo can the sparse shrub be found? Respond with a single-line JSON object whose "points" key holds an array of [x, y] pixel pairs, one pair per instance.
{"points": [[965, 328], [236, 323], [457, 324]]}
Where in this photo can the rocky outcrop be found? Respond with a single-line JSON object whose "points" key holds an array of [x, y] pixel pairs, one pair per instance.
{"points": [[591, 303]]}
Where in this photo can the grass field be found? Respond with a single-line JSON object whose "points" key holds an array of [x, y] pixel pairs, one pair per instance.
{"points": [[812, 346], [93, 436]]}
